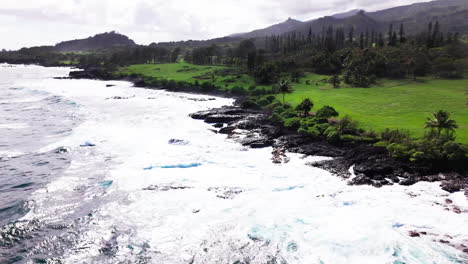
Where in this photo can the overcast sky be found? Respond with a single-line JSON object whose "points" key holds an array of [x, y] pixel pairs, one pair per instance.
{"points": [[46, 22]]}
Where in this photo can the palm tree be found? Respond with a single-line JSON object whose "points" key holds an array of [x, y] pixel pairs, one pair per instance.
{"points": [[441, 122], [284, 87], [305, 106]]}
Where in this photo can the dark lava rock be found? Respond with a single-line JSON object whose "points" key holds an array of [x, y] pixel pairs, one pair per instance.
{"points": [[174, 141], [225, 192], [361, 179], [227, 130], [222, 118], [258, 141], [93, 73], [218, 111], [218, 125], [165, 188]]}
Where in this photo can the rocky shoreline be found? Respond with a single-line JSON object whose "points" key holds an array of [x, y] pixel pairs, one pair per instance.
{"points": [[359, 163]]}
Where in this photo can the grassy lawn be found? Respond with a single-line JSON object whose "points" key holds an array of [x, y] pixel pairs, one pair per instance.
{"points": [[225, 77], [389, 104]]}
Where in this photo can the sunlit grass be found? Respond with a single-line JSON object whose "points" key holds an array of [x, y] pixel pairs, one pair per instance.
{"points": [[402, 104]]}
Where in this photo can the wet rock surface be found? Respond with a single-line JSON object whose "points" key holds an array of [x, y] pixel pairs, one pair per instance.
{"points": [[371, 165]]}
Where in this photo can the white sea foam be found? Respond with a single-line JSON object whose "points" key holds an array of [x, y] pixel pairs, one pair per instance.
{"points": [[239, 206]]}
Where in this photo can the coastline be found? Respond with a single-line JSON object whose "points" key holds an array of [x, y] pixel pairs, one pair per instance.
{"points": [[359, 163]]}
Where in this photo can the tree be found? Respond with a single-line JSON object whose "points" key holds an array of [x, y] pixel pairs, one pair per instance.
{"points": [[326, 112], [284, 87], [390, 35], [335, 81], [305, 106], [441, 122], [351, 36], [466, 96], [402, 34], [361, 41], [381, 42]]}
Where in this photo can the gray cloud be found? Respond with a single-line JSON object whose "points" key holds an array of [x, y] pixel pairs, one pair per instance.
{"points": [[149, 21]]}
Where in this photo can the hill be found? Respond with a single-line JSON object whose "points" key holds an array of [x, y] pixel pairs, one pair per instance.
{"points": [[278, 29], [97, 42], [451, 14]]}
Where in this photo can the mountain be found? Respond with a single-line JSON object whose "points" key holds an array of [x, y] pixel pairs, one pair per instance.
{"points": [[99, 41], [278, 29], [360, 22], [451, 14], [346, 14]]}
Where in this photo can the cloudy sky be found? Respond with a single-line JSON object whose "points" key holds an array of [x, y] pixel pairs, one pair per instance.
{"points": [[46, 22]]}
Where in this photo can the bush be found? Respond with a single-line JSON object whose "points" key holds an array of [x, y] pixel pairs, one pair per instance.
{"points": [[263, 102], [207, 86], [353, 138], [312, 131], [401, 151], [395, 136], [249, 104], [335, 81], [288, 113], [346, 125], [448, 68], [279, 110], [276, 118], [266, 74], [292, 123], [271, 98], [333, 136], [171, 85], [326, 112], [237, 90], [258, 91]]}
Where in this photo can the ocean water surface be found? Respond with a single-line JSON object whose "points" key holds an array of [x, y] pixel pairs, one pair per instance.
{"points": [[87, 178]]}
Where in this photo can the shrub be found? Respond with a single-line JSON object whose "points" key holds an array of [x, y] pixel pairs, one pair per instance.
{"points": [[258, 91], [353, 138], [335, 81], [271, 98], [326, 112], [312, 131], [292, 123], [347, 125], [276, 118], [171, 84], [454, 151], [400, 151], [288, 113], [279, 109], [238, 90], [263, 102], [395, 136], [207, 86], [249, 104], [333, 136]]}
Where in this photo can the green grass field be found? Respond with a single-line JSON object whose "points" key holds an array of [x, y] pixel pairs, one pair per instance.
{"points": [[190, 73], [389, 104]]}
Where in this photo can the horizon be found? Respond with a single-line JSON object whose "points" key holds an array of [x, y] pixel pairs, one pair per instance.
{"points": [[150, 22]]}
